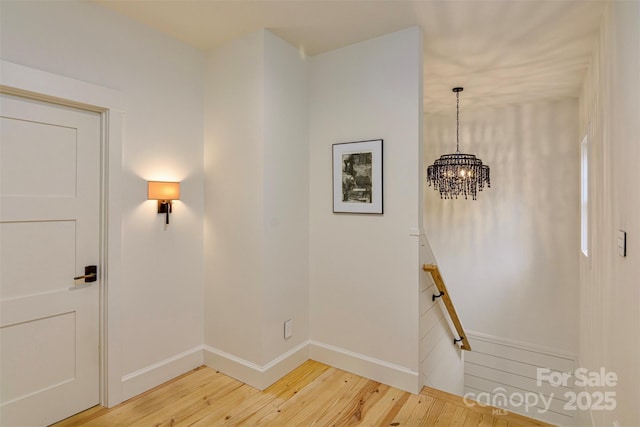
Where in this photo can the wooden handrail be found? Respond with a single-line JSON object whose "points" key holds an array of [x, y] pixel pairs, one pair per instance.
{"points": [[437, 278]]}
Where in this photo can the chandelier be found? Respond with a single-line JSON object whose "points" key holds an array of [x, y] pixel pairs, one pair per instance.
{"points": [[458, 174]]}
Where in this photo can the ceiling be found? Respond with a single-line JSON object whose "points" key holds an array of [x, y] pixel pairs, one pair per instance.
{"points": [[501, 51]]}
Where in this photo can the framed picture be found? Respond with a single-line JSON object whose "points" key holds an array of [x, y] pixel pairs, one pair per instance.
{"points": [[357, 177]]}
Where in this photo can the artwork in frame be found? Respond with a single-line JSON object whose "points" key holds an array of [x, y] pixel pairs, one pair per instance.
{"points": [[357, 177]]}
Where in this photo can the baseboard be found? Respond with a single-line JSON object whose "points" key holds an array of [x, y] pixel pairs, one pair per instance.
{"points": [[153, 375], [250, 373], [366, 366], [263, 376]]}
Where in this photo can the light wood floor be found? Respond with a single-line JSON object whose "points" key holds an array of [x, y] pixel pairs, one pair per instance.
{"points": [[312, 394]]}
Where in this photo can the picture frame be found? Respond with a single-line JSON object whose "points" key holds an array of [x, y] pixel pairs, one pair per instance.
{"points": [[357, 177]]}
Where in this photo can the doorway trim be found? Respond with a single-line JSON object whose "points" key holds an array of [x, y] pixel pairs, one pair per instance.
{"points": [[31, 83]]}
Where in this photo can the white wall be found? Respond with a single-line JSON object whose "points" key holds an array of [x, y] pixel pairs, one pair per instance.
{"points": [[364, 269], [609, 291], [162, 82], [256, 233], [234, 198], [510, 258], [268, 193], [286, 191]]}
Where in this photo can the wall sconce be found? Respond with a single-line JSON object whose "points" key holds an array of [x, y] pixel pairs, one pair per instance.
{"points": [[164, 193]]}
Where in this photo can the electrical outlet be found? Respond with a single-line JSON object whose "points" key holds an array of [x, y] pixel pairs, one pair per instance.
{"points": [[288, 329]]}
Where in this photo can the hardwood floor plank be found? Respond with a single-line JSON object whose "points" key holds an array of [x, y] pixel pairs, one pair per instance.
{"points": [[276, 394], [296, 402], [144, 403], [217, 411], [311, 403], [458, 416], [446, 415], [433, 413], [128, 413], [367, 407], [510, 417], [296, 380], [197, 402], [499, 422], [84, 417], [384, 409], [313, 394], [413, 411], [477, 419], [347, 408]]}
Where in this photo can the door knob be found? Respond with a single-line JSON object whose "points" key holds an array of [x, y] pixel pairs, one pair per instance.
{"points": [[90, 274]]}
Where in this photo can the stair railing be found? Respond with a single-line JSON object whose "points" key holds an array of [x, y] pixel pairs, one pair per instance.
{"points": [[444, 294]]}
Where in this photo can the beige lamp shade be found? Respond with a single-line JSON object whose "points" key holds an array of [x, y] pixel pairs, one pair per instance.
{"points": [[162, 190]]}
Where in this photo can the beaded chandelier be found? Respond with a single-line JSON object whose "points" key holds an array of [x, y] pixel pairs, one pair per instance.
{"points": [[458, 174]]}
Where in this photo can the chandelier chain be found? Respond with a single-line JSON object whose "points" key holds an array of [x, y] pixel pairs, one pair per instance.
{"points": [[457, 122]]}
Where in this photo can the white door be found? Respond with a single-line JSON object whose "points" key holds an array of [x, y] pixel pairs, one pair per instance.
{"points": [[49, 231]]}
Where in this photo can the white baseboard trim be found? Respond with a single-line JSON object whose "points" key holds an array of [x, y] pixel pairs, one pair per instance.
{"points": [[263, 376], [250, 373], [366, 366], [153, 375]]}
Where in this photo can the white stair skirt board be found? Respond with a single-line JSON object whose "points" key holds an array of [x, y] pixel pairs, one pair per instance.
{"points": [[441, 362], [153, 375], [250, 373], [501, 367], [366, 366]]}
